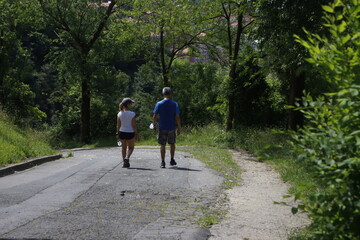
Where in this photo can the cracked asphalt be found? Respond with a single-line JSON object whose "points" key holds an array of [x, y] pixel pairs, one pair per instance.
{"points": [[90, 196]]}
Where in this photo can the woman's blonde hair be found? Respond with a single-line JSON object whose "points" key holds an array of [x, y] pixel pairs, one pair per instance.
{"points": [[123, 106]]}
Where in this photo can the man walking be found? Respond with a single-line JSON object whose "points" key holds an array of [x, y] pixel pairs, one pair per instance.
{"points": [[168, 113]]}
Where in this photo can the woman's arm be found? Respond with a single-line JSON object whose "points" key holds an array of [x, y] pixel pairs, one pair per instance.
{"points": [[118, 126], [133, 123]]}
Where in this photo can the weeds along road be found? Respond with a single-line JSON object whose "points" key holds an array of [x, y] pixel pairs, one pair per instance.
{"points": [[90, 196]]}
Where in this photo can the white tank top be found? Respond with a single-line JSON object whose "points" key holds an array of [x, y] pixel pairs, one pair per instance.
{"points": [[126, 119]]}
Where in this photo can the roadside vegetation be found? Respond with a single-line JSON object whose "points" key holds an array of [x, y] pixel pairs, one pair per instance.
{"points": [[18, 144]]}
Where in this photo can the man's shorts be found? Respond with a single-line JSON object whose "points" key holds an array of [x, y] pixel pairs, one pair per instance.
{"points": [[166, 136], [126, 135]]}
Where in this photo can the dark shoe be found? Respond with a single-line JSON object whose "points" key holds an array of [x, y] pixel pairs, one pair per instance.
{"points": [[126, 163], [162, 164], [172, 162]]}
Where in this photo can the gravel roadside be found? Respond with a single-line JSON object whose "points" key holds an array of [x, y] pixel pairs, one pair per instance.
{"points": [[252, 212]]}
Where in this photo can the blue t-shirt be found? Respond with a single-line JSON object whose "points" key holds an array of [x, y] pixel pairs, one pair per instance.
{"points": [[167, 110]]}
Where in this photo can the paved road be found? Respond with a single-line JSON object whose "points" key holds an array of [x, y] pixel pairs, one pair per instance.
{"points": [[90, 196]]}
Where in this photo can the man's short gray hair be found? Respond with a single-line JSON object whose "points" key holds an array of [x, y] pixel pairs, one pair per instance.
{"points": [[166, 91]]}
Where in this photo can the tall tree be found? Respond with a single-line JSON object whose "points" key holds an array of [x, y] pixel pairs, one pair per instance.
{"points": [[230, 21], [173, 26], [277, 22], [81, 24]]}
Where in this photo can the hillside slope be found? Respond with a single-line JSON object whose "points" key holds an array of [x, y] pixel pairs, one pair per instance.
{"points": [[18, 144]]}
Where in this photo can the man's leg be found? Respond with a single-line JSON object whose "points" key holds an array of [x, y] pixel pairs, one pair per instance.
{"points": [[172, 150], [172, 153], [172, 140], [162, 137], [162, 151]]}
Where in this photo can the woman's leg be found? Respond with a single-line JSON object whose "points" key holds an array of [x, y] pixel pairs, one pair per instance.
{"points": [[123, 148], [131, 145]]}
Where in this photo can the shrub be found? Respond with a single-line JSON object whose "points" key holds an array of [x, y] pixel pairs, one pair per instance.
{"points": [[330, 141]]}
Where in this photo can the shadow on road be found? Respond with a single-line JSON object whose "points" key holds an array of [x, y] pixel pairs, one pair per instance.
{"points": [[184, 169], [25, 238], [143, 169], [174, 168]]}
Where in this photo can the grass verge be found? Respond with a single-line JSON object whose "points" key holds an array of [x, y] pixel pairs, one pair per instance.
{"points": [[18, 144], [268, 145]]}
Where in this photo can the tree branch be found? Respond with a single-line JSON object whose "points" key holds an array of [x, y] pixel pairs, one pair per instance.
{"points": [[248, 24], [102, 24]]}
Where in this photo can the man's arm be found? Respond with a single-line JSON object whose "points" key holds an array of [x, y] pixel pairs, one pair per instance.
{"points": [[178, 124], [155, 117]]}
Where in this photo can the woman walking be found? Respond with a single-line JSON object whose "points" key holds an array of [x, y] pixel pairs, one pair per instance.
{"points": [[126, 130]]}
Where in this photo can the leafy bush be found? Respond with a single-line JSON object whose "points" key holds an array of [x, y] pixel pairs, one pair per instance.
{"points": [[196, 88], [330, 141]]}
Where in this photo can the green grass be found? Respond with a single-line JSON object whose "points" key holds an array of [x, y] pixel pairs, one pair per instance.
{"points": [[209, 217], [268, 145], [217, 159], [17, 144]]}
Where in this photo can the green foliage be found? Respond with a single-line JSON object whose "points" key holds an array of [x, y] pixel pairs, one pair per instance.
{"points": [[18, 144], [19, 102], [276, 25], [147, 88], [278, 22], [256, 99], [173, 29], [330, 141], [196, 87], [110, 87], [16, 64]]}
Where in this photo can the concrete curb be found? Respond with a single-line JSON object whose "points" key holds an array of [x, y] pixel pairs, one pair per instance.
{"points": [[27, 164]]}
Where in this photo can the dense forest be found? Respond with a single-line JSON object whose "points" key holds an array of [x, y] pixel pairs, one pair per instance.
{"points": [[69, 63], [291, 64]]}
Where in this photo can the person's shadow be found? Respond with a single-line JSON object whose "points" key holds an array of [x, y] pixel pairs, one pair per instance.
{"points": [[142, 169], [173, 168], [25, 238], [184, 169]]}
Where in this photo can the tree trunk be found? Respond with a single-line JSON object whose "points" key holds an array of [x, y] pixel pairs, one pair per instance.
{"points": [[164, 71], [166, 80], [231, 113], [85, 111], [233, 73], [297, 86]]}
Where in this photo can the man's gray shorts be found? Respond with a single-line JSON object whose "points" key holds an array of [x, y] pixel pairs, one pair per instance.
{"points": [[166, 136]]}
